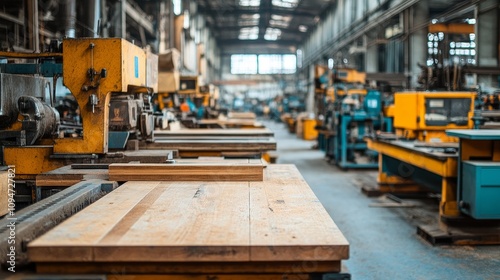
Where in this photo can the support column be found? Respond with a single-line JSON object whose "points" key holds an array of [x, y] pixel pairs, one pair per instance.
{"points": [[310, 92], [371, 56], [31, 23], [419, 17], [487, 41]]}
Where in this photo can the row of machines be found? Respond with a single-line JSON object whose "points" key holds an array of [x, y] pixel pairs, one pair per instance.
{"points": [[443, 139], [347, 112]]}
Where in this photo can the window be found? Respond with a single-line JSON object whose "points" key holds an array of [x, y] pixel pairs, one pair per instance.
{"points": [[251, 3], [263, 64], [285, 3], [243, 64]]}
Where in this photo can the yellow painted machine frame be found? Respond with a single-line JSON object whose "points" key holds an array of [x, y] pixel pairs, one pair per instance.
{"points": [[444, 167], [126, 65], [409, 115]]}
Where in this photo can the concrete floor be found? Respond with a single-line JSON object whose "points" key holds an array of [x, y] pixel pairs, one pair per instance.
{"points": [[383, 242]]}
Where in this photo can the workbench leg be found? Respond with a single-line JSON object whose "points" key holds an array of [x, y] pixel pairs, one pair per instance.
{"points": [[449, 205]]}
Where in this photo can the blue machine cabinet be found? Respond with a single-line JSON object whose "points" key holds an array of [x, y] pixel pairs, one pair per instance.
{"points": [[478, 173]]}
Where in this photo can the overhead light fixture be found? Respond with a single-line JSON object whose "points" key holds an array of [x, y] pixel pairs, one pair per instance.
{"points": [[302, 28], [471, 21], [272, 34], [249, 3], [285, 3]]}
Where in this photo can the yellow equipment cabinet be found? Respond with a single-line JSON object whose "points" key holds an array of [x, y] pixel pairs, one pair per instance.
{"points": [[425, 116]]}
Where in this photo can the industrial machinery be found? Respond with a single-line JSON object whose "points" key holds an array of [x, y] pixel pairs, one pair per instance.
{"points": [[424, 116], [420, 151], [478, 191], [111, 81], [353, 113]]}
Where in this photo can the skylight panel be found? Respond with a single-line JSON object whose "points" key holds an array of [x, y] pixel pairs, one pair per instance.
{"points": [[272, 34], [285, 3], [249, 3]]}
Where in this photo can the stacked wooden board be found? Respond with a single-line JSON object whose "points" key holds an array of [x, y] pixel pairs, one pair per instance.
{"points": [[208, 169], [227, 170], [212, 134], [247, 147], [272, 227]]}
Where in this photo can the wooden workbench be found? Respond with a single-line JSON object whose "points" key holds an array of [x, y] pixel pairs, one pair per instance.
{"points": [[271, 228], [248, 147], [236, 123], [212, 134]]}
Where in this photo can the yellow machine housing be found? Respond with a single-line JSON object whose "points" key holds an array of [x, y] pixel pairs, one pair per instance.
{"points": [[93, 68], [425, 116], [350, 76]]}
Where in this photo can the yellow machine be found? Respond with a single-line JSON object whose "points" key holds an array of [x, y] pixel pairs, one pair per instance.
{"points": [[431, 159], [107, 77], [425, 116]]}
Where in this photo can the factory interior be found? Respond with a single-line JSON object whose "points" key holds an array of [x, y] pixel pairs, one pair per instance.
{"points": [[249, 139]]}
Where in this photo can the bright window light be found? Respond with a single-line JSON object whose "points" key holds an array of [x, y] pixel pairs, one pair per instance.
{"points": [[272, 34], [243, 64], [277, 64], [302, 28], [249, 20], [285, 3], [251, 3], [177, 7], [249, 33], [280, 21]]}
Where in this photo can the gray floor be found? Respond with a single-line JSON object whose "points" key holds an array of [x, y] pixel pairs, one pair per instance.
{"points": [[383, 242]]}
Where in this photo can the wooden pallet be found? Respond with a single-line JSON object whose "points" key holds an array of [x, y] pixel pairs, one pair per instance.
{"points": [[227, 170], [143, 224]]}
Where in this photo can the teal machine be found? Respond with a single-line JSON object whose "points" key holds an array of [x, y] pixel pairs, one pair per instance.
{"points": [[355, 113], [478, 184]]}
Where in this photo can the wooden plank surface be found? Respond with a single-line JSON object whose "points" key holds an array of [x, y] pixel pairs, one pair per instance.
{"points": [[4, 192], [67, 176], [266, 144], [258, 132], [242, 115], [227, 170], [288, 222], [155, 222], [231, 122], [278, 220]]}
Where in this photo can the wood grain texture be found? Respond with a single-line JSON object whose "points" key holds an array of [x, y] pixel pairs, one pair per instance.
{"points": [[67, 176], [279, 220], [288, 222], [224, 145], [155, 222], [200, 132], [4, 191], [228, 170]]}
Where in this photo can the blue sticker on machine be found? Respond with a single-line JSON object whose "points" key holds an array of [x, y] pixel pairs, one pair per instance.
{"points": [[136, 66]]}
